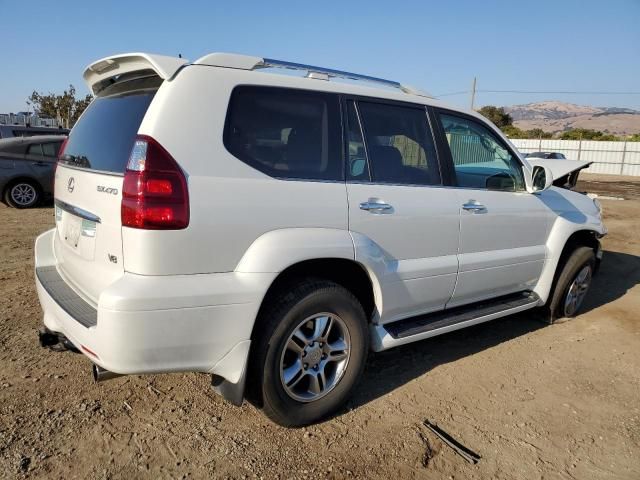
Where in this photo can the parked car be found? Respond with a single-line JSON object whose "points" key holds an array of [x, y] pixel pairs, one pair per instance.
{"points": [[26, 169], [547, 155], [270, 230], [9, 131]]}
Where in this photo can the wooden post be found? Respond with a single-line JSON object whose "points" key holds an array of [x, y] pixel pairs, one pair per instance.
{"points": [[473, 93], [580, 147], [624, 154]]}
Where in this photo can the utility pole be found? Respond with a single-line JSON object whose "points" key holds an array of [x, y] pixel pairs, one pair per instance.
{"points": [[473, 92]]}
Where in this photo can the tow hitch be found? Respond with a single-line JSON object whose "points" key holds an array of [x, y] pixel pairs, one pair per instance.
{"points": [[55, 341]]}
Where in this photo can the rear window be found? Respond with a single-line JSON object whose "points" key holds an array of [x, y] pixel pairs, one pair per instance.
{"points": [[103, 137], [286, 133]]}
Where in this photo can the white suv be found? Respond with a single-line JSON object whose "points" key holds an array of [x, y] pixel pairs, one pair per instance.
{"points": [[269, 229]]}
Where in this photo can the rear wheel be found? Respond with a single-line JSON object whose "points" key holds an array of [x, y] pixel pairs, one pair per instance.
{"points": [[22, 194], [571, 286], [310, 352]]}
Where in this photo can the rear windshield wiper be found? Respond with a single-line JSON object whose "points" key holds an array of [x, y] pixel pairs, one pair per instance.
{"points": [[76, 160]]}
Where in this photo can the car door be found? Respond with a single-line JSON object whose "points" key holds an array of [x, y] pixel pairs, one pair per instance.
{"points": [[40, 159], [503, 228], [403, 222]]}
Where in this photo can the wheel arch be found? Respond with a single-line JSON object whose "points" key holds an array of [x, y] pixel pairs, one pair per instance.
{"points": [[347, 273], [560, 246]]}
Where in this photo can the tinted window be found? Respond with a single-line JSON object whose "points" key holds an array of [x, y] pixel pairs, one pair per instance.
{"points": [[357, 168], [480, 159], [399, 144], [103, 137], [34, 149], [286, 133], [51, 149]]}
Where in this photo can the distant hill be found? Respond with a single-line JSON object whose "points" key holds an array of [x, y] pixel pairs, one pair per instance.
{"points": [[552, 116]]}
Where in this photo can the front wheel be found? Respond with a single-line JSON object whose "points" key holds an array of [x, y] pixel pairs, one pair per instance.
{"points": [[571, 286], [310, 352]]}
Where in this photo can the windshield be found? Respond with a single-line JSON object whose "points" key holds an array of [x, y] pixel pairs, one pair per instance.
{"points": [[103, 137]]}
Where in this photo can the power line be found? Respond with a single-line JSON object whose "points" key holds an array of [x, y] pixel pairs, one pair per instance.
{"points": [[558, 92], [561, 92], [450, 94]]}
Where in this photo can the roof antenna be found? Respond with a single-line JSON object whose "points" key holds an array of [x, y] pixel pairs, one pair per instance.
{"points": [[179, 55]]}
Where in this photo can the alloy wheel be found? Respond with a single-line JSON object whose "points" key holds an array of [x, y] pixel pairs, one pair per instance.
{"points": [[577, 291], [315, 357], [23, 194]]}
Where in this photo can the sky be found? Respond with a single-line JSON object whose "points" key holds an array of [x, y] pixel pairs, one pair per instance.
{"points": [[438, 46]]}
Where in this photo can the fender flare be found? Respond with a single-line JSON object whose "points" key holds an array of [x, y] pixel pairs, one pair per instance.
{"points": [[275, 251], [559, 235], [278, 250]]}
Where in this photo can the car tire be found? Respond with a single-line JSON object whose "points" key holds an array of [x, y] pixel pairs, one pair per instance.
{"points": [[310, 352], [570, 287], [22, 194]]}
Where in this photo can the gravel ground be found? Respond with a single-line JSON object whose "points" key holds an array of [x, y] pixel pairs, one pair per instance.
{"points": [[534, 401]]}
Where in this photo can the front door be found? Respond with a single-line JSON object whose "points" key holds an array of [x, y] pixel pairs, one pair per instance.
{"points": [[403, 221], [503, 228]]}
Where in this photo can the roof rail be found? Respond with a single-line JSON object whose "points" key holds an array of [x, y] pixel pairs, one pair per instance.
{"points": [[253, 63]]}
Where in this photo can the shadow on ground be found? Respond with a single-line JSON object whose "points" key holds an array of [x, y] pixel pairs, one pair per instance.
{"points": [[386, 371]]}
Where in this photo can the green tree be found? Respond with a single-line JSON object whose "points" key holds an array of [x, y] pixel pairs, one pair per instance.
{"points": [[512, 131], [65, 107], [634, 138], [497, 115], [587, 134], [538, 133]]}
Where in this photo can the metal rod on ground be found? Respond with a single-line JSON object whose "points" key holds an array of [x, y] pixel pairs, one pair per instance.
{"points": [[469, 455]]}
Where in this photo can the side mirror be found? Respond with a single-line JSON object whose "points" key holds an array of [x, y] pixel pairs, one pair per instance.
{"points": [[541, 179]]}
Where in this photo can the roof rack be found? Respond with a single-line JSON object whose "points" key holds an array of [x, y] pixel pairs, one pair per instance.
{"points": [[245, 62]]}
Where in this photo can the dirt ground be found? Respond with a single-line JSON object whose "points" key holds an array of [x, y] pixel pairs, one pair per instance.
{"points": [[534, 401]]}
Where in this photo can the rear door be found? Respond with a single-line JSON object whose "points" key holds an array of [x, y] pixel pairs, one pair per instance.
{"points": [[503, 228], [404, 223], [40, 160], [88, 185]]}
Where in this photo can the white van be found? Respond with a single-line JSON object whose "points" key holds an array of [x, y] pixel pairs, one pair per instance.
{"points": [[269, 223]]}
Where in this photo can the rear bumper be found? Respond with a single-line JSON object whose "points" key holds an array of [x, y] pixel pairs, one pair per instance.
{"points": [[155, 324]]}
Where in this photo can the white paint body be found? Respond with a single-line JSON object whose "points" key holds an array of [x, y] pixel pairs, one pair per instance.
{"points": [[187, 300]]}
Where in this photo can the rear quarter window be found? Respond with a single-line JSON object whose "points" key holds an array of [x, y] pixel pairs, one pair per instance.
{"points": [[286, 133]]}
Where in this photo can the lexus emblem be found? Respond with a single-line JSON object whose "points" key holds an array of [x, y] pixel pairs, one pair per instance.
{"points": [[71, 184]]}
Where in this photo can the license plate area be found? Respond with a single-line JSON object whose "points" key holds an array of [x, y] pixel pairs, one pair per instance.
{"points": [[77, 233], [72, 228]]}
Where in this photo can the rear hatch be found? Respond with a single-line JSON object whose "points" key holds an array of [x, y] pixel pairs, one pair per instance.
{"points": [[89, 180]]}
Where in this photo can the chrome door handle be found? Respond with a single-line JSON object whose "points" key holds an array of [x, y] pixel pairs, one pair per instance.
{"points": [[375, 206], [473, 206]]}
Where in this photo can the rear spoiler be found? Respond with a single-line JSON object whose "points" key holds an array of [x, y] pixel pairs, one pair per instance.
{"points": [[100, 73]]}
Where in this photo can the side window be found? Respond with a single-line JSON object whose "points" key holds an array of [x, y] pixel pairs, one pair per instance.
{"points": [[51, 149], [357, 168], [399, 144], [286, 133], [35, 149], [480, 159]]}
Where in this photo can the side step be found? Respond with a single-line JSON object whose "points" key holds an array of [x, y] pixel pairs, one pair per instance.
{"points": [[425, 326]]}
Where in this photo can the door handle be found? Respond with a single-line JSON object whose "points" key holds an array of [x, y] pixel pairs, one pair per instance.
{"points": [[41, 164], [474, 207], [375, 206]]}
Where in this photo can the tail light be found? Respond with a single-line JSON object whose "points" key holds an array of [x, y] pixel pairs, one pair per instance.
{"points": [[154, 192], [55, 165]]}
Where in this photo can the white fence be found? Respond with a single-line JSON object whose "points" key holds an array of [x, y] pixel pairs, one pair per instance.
{"points": [[617, 158]]}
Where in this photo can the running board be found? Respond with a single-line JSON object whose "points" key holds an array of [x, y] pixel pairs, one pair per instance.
{"points": [[426, 326]]}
